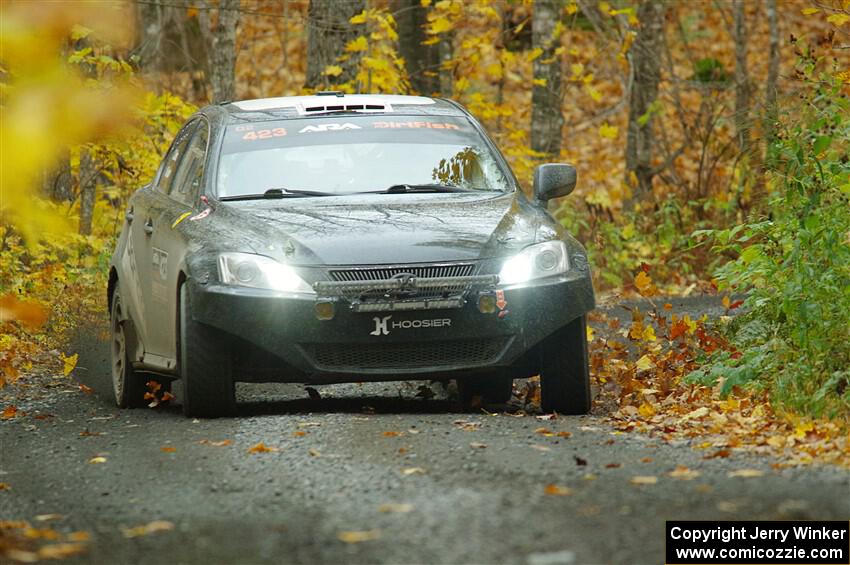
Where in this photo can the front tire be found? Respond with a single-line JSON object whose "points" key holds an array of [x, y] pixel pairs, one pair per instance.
{"points": [[205, 367], [128, 387], [564, 372]]}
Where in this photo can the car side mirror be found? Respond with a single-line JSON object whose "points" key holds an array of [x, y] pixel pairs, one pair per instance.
{"points": [[553, 180]]}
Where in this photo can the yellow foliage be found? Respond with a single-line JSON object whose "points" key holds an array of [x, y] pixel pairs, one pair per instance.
{"points": [[609, 131], [359, 44], [48, 106]]}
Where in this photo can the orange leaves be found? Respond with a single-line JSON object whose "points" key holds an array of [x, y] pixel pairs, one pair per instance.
{"points": [[147, 529], [262, 448], [358, 536], [644, 284], [156, 394], [30, 314], [557, 490], [9, 412]]}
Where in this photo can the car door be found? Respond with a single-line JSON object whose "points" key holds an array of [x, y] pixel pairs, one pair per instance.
{"points": [[154, 264], [169, 238]]}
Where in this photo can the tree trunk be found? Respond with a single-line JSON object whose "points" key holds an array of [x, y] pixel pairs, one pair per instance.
{"points": [[221, 48], [328, 31], [645, 57], [446, 50], [88, 190], [772, 74], [422, 61], [742, 80], [57, 182], [150, 29], [546, 117]]}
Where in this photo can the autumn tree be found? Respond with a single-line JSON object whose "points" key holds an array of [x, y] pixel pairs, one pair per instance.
{"points": [[645, 69], [422, 61], [220, 39], [329, 30], [546, 118], [742, 78]]}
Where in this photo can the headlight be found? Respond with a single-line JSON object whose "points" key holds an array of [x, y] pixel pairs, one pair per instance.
{"points": [[535, 262], [257, 271]]}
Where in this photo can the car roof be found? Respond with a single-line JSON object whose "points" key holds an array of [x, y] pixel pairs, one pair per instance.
{"points": [[324, 103]]}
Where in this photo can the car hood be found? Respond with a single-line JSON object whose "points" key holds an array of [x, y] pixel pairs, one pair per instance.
{"points": [[380, 228]]}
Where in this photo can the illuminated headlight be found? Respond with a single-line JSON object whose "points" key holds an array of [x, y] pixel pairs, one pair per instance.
{"points": [[257, 271], [535, 262]]}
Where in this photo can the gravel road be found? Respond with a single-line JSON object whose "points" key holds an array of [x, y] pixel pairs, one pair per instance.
{"points": [[369, 473]]}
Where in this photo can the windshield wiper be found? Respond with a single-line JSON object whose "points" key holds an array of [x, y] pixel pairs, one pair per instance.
{"points": [[275, 193], [436, 187]]}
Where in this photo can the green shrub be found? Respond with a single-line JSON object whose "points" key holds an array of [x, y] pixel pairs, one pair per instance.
{"points": [[794, 263]]}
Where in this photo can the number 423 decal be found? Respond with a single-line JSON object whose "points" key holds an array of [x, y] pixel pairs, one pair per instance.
{"points": [[264, 134]]}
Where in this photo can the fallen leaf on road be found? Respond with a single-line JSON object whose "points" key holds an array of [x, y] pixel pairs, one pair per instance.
{"points": [[467, 426], [718, 453], [647, 460], [262, 448], [683, 473], [314, 452], [149, 528], [168, 449], [60, 550], [745, 473], [564, 434], [579, 461], [698, 413], [544, 432], [4, 486], [78, 536], [357, 537], [86, 433], [540, 447], [309, 424], [41, 533], [392, 434], [547, 417], [643, 480], [48, 517], [477, 445], [589, 477], [413, 471], [557, 490], [86, 389], [395, 508], [221, 443], [299, 433], [613, 465], [9, 412], [69, 363], [97, 460]]}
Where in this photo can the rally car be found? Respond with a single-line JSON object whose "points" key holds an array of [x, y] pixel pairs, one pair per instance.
{"points": [[346, 238]]}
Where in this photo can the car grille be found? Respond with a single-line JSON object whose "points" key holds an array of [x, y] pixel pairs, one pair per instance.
{"points": [[455, 289], [417, 355]]}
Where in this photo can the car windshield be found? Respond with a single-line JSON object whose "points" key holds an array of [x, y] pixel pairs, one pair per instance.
{"points": [[351, 153]]}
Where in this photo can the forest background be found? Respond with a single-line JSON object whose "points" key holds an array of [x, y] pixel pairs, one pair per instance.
{"points": [[710, 138]]}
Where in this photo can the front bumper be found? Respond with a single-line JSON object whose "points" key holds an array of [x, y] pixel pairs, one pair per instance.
{"points": [[278, 337]]}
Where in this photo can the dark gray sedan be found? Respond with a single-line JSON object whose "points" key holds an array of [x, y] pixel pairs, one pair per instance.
{"points": [[338, 238]]}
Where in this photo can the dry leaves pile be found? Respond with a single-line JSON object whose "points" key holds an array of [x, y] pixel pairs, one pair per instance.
{"points": [[24, 543], [641, 370]]}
